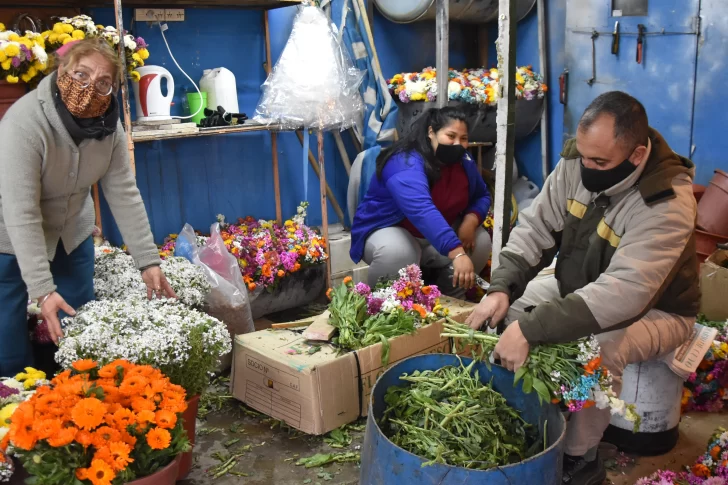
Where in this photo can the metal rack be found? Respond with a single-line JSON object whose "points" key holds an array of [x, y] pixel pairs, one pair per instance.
{"points": [[505, 120]]}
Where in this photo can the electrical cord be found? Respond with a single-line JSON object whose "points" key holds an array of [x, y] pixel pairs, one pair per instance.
{"points": [[162, 28]]}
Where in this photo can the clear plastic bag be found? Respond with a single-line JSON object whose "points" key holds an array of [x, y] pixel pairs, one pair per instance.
{"points": [[228, 300], [314, 84]]}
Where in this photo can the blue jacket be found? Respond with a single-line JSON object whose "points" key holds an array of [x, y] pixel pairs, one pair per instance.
{"points": [[403, 192]]}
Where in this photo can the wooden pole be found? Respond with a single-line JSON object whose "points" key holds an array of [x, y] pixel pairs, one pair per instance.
{"points": [[315, 165], [324, 207], [442, 42], [124, 85], [342, 151], [505, 125], [273, 135]]}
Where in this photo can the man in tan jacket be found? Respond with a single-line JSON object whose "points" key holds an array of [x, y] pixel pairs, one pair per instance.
{"points": [[619, 213]]}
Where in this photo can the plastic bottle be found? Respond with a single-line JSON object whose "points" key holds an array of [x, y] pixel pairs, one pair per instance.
{"points": [[219, 84]]}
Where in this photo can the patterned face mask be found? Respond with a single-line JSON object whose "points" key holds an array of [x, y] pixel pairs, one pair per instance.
{"points": [[82, 102]]}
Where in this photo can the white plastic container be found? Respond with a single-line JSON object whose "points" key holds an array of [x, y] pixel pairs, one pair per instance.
{"points": [[524, 189], [219, 84]]}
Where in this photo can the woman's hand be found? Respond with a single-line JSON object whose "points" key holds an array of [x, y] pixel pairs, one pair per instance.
{"points": [[466, 231], [464, 271], [50, 305], [157, 283]]}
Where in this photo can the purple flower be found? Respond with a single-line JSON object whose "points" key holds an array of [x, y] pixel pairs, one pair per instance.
{"points": [[413, 273], [141, 44], [16, 61], [6, 391], [403, 96], [363, 289], [715, 481], [374, 305], [691, 377]]}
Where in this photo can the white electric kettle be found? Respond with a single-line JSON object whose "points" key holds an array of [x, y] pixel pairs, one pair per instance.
{"points": [[150, 104]]}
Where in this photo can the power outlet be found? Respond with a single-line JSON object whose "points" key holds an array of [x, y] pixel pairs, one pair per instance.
{"points": [[174, 14], [149, 14]]}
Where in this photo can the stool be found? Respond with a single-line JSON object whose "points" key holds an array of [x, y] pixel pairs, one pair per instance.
{"points": [[656, 391]]}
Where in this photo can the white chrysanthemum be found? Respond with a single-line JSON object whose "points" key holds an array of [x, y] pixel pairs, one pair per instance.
{"points": [[601, 399], [617, 406], [130, 42], [155, 332], [116, 277], [40, 54]]}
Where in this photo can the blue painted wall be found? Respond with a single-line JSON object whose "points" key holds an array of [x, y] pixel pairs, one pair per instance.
{"points": [[195, 179]]}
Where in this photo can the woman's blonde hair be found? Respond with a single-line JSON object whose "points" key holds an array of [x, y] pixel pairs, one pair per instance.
{"points": [[86, 47]]}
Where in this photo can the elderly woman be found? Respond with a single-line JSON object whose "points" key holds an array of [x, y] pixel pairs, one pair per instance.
{"points": [[58, 141]]}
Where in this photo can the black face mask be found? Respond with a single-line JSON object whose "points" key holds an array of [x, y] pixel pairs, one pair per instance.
{"points": [[450, 154], [600, 180]]}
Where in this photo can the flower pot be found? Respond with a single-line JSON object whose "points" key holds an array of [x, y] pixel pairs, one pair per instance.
{"points": [[10, 93], [713, 206], [294, 290], [190, 423], [698, 191], [165, 476]]}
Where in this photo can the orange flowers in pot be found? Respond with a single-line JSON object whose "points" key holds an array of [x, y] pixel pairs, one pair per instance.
{"points": [[105, 425]]}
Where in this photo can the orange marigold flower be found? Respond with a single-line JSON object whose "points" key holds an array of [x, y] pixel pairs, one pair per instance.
{"points": [[145, 416], [82, 473], [23, 436], [158, 439], [62, 377], [5, 442], [329, 292], [140, 404], [589, 404], [88, 413], [84, 438], [348, 280], [715, 452], [142, 370], [84, 365], [123, 418], [426, 290], [176, 405], [112, 369], [100, 473], [104, 435], [252, 286], [64, 437], [128, 439], [593, 365], [701, 470], [133, 385], [46, 428], [420, 309], [120, 455], [281, 273], [165, 419]]}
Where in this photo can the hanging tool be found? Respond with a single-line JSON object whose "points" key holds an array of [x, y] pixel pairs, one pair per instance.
{"points": [[594, 37], [563, 87], [640, 42], [615, 39]]}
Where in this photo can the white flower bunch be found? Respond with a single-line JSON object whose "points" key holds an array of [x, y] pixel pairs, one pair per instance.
{"points": [[116, 277], [301, 213], [389, 297], [183, 343], [588, 350]]}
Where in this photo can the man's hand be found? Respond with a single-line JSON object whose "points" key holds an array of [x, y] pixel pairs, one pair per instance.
{"points": [[512, 348], [494, 307], [156, 283], [466, 231], [49, 308]]}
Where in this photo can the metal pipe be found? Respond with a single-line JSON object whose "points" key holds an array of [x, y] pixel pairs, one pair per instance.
{"points": [[443, 44], [323, 186], [543, 61], [505, 126]]}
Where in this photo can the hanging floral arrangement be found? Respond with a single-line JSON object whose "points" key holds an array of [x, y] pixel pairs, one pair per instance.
{"points": [[22, 58]]}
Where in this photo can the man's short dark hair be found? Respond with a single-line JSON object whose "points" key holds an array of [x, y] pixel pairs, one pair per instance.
{"points": [[630, 118]]}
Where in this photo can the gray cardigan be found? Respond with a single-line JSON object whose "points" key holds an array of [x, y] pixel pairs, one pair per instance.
{"points": [[45, 189]]}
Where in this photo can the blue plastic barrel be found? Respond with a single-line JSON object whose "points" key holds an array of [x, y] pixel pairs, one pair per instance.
{"points": [[384, 463]]}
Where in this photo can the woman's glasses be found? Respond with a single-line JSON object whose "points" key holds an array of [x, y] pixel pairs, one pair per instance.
{"points": [[102, 86]]}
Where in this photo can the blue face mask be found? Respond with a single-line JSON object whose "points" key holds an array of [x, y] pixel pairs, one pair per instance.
{"points": [[450, 154]]}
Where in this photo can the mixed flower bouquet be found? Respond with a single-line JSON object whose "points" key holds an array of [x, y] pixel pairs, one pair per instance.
{"points": [[22, 57], [474, 86], [707, 388], [99, 425], [117, 277], [364, 317], [266, 251], [82, 26], [570, 373], [711, 468], [183, 343], [15, 390]]}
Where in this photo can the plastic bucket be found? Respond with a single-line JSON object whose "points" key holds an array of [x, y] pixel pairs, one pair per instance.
{"points": [[384, 463], [194, 101], [713, 206]]}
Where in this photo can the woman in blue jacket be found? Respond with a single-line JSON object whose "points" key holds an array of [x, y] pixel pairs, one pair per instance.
{"points": [[425, 205]]}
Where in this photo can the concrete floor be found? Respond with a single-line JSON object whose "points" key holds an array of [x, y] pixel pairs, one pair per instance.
{"points": [[274, 451]]}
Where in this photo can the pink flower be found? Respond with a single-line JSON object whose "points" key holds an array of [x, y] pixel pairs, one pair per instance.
{"points": [[363, 289]]}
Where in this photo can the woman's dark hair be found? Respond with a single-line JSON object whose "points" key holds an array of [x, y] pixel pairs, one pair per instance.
{"points": [[417, 139]]}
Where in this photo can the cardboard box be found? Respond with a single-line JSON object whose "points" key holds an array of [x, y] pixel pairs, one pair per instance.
{"points": [[274, 373], [714, 286]]}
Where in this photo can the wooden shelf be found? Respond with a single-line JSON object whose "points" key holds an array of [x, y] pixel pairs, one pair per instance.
{"points": [[138, 136], [251, 4]]}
